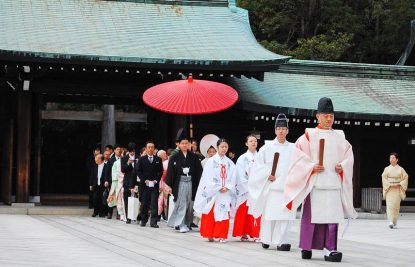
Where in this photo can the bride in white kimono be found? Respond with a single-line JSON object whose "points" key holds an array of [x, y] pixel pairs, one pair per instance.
{"points": [[215, 197]]}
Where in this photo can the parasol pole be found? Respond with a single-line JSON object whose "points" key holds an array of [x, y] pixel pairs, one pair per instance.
{"points": [[190, 126]]}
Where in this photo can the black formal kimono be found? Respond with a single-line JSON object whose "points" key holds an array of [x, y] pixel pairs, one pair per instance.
{"points": [[175, 171]]}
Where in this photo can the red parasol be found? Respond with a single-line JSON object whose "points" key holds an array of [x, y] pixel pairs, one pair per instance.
{"points": [[190, 97]]}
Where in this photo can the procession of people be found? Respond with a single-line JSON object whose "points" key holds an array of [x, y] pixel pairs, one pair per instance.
{"points": [[262, 192]]}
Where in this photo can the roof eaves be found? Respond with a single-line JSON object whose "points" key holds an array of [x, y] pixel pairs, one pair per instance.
{"points": [[346, 69], [158, 62]]}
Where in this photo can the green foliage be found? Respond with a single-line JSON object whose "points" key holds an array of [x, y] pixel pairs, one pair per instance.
{"points": [[275, 47], [371, 31], [323, 47]]}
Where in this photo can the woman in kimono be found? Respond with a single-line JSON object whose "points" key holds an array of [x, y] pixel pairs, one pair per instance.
{"points": [[116, 195], [245, 224], [215, 197], [163, 196], [395, 184]]}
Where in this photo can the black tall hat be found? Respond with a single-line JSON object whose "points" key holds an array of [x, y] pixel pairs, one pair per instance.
{"points": [[281, 121], [181, 135], [325, 105]]}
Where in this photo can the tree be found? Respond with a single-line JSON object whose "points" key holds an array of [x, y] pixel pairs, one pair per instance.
{"points": [[371, 31]]}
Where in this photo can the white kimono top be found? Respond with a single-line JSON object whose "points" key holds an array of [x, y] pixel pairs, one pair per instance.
{"points": [[218, 172], [243, 169], [267, 197]]}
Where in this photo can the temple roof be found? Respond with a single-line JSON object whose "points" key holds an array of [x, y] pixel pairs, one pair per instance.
{"points": [[363, 91], [201, 34]]}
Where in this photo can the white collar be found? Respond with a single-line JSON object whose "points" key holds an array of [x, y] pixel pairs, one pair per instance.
{"points": [[251, 155], [275, 142], [218, 158]]}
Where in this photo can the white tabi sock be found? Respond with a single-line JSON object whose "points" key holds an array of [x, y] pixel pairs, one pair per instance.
{"points": [[327, 252]]}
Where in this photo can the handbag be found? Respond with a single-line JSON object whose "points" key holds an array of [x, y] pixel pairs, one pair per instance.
{"points": [[133, 206]]}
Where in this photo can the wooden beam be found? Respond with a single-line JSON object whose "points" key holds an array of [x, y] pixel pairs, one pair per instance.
{"points": [[92, 116], [24, 108]]}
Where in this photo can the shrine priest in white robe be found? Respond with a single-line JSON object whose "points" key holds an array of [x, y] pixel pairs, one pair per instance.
{"points": [[321, 180], [266, 191]]}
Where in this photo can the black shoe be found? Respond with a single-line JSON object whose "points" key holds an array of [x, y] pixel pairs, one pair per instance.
{"points": [[194, 225], [306, 254], [284, 247], [190, 228], [128, 221], [266, 246], [109, 217], [177, 228], [154, 226], [101, 215], [142, 224], [334, 256], [94, 215]]}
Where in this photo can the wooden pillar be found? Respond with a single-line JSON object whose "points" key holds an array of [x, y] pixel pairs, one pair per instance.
{"points": [[108, 126], [24, 104], [7, 163], [37, 130]]}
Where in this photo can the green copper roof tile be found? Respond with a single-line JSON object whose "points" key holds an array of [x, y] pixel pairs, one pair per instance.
{"points": [[126, 31], [299, 89]]}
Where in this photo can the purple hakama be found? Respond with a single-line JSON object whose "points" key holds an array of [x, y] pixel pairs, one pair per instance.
{"points": [[316, 236]]}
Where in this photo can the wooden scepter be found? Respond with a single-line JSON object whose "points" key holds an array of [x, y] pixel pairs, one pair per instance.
{"points": [[275, 163], [321, 152]]}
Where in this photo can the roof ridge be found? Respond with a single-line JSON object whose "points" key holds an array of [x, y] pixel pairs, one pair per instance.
{"points": [[179, 2]]}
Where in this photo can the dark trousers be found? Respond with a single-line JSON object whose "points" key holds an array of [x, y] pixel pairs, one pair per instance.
{"points": [[127, 194], [110, 211], [90, 199], [99, 208], [149, 200]]}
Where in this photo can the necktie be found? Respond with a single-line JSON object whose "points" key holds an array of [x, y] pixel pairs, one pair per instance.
{"points": [[150, 159]]}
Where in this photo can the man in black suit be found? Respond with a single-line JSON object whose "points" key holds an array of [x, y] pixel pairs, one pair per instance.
{"points": [[110, 149], [90, 163], [96, 184], [115, 156], [128, 163], [149, 169]]}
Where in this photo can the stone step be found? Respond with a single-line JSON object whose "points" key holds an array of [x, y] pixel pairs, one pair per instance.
{"points": [[46, 210]]}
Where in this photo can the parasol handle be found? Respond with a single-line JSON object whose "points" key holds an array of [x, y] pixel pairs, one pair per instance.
{"points": [[275, 163], [321, 152]]}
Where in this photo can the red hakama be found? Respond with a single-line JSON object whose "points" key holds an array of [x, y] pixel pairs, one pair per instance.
{"points": [[245, 224], [211, 229]]}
